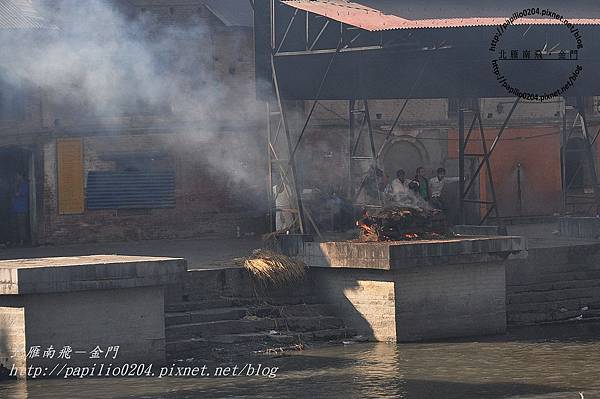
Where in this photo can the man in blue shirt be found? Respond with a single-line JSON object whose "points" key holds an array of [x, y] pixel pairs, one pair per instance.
{"points": [[19, 208]]}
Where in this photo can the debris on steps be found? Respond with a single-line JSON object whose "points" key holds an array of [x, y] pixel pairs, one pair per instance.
{"points": [[254, 328]]}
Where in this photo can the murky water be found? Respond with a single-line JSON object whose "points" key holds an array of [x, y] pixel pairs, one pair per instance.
{"points": [[559, 365]]}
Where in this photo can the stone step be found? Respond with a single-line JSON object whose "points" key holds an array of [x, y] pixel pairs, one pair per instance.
{"points": [[207, 304], [526, 318], [192, 347], [196, 316], [252, 324], [196, 293], [556, 285], [550, 278], [553, 306], [298, 310], [585, 295], [236, 313], [237, 302], [287, 338]]}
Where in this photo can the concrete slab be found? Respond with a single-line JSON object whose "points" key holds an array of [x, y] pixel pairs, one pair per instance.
{"points": [[199, 253], [88, 304], [546, 235], [77, 273], [405, 254], [415, 290]]}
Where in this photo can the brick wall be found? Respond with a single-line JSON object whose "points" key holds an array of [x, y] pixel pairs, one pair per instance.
{"points": [[512, 159], [220, 171], [233, 283], [453, 300], [220, 184], [554, 284]]}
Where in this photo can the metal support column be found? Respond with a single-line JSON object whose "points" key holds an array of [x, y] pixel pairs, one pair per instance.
{"points": [[577, 198], [590, 156], [270, 194], [485, 156], [359, 117], [563, 156], [290, 171], [461, 163]]}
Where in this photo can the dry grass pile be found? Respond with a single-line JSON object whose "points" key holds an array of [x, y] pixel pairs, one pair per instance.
{"points": [[273, 269]]}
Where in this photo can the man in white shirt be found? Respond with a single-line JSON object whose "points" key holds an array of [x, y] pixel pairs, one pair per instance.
{"points": [[399, 185], [436, 186], [284, 218], [400, 190]]}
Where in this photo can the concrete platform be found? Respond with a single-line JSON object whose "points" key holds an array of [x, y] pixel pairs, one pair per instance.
{"points": [[84, 303], [416, 290], [391, 255], [200, 253]]}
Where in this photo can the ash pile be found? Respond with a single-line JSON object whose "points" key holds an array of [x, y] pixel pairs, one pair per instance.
{"points": [[401, 223]]}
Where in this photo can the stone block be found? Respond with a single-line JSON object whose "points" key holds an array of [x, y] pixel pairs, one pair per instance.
{"points": [[87, 304]]}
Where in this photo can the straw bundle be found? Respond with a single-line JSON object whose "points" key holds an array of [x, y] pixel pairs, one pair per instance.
{"points": [[271, 268]]}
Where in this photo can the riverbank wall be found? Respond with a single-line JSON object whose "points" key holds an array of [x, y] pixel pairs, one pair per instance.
{"points": [[554, 284], [466, 295]]}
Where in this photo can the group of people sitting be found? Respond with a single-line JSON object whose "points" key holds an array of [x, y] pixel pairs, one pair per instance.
{"points": [[420, 189]]}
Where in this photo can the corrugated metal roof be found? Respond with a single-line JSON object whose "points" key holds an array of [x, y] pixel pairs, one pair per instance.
{"points": [[378, 15], [21, 14]]}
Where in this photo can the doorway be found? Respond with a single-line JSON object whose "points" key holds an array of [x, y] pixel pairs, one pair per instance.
{"points": [[15, 195], [403, 154]]}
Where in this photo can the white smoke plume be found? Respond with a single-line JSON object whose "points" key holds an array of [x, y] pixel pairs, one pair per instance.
{"points": [[107, 59], [114, 62]]}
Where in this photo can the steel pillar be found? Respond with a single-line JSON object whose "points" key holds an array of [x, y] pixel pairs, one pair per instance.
{"points": [[359, 117], [484, 156], [572, 200]]}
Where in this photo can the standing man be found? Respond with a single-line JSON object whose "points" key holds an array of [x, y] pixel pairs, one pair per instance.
{"points": [[19, 209], [284, 218], [436, 186], [420, 184]]}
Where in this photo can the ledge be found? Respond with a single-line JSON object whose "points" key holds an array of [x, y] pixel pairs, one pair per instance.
{"points": [[394, 255], [81, 273]]}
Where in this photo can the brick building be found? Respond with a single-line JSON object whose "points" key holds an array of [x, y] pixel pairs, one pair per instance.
{"points": [[167, 169], [196, 167]]}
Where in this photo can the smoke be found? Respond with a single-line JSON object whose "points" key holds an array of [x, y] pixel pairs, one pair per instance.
{"points": [[405, 197], [108, 60], [113, 64], [409, 200]]}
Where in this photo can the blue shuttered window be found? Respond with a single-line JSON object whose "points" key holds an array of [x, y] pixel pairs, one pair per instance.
{"points": [[130, 190]]}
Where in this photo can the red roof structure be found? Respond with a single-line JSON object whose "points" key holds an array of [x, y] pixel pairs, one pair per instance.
{"points": [[418, 15]]}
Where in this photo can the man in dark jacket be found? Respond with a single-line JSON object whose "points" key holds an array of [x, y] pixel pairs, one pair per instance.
{"points": [[420, 184]]}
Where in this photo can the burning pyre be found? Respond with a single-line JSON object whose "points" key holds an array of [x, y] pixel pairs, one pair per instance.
{"points": [[402, 223]]}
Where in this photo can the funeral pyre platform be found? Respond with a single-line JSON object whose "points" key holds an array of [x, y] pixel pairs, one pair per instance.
{"points": [[402, 223], [413, 290]]}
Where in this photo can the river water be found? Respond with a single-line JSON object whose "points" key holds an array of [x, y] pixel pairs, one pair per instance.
{"points": [[551, 363]]}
